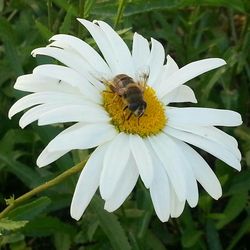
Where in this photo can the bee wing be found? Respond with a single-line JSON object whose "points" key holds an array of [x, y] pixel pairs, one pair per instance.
{"points": [[110, 84], [142, 76]]}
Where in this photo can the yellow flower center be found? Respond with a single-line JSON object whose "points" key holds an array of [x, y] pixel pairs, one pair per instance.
{"points": [[150, 123]]}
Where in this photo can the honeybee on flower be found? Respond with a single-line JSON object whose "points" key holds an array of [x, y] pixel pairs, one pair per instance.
{"points": [[156, 148]]}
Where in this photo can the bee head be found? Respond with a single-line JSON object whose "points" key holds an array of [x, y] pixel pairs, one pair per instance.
{"points": [[138, 108]]}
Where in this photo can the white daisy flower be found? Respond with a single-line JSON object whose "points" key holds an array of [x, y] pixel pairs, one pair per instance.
{"points": [[136, 134]]}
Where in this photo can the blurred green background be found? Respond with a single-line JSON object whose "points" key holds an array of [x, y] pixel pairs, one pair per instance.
{"points": [[189, 30]]}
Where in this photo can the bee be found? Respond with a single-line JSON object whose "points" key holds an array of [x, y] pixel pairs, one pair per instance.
{"points": [[131, 92]]}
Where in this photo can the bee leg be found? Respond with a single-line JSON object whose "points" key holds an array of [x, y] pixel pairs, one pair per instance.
{"points": [[129, 116], [138, 120], [124, 111], [108, 91], [113, 88], [113, 99]]}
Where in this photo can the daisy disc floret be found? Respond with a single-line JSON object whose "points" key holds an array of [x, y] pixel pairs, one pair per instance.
{"points": [[153, 143], [151, 122]]}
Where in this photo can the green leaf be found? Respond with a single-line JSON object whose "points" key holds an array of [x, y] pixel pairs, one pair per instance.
{"points": [[240, 183], [234, 207], [109, 8], [46, 226], [213, 238], [110, 225], [152, 242], [244, 229], [88, 6], [135, 7], [11, 225], [65, 27], [211, 83], [1, 5], [234, 4], [11, 238], [26, 174], [8, 37], [190, 234], [243, 132], [43, 30], [92, 229], [59, 201], [144, 203], [190, 238], [30, 210], [65, 5], [13, 58], [21, 136], [6, 30], [19, 245], [62, 241]]}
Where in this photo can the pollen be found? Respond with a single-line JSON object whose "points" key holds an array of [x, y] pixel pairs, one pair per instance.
{"points": [[150, 123]]}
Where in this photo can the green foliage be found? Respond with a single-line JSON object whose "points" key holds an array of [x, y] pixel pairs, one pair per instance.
{"points": [[189, 30], [9, 225], [30, 210], [110, 226]]}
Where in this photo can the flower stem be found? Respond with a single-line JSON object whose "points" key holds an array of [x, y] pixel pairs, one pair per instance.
{"points": [[121, 6], [75, 169]]}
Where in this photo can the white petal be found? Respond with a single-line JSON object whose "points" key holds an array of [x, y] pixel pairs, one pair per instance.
{"points": [[34, 83], [159, 190], [191, 184], [156, 61], [207, 145], [126, 184], [70, 76], [74, 113], [171, 67], [115, 162], [122, 54], [167, 70], [102, 42], [203, 173], [45, 97], [140, 52], [166, 150], [87, 183], [189, 72], [142, 158], [177, 206], [82, 136], [68, 58], [203, 117], [180, 94], [85, 50], [63, 52], [191, 187], [216, 135], [47, 157], [71, 60], [34, 113]]}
